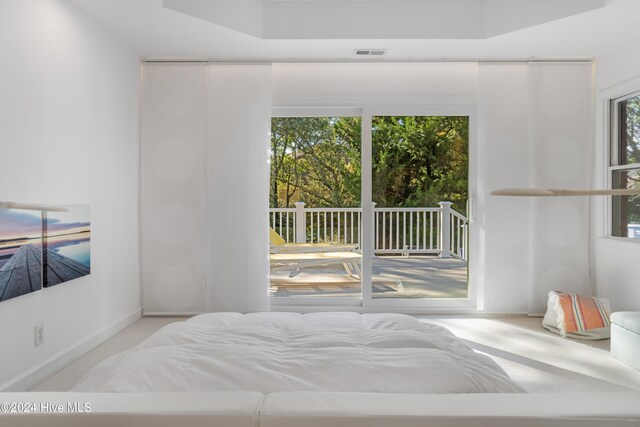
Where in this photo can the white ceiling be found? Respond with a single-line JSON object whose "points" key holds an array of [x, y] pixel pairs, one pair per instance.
{"points": [[384, 19], [155, 32]]}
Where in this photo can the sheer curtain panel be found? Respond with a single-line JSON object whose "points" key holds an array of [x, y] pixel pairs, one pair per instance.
{"points": [[204, 187]]}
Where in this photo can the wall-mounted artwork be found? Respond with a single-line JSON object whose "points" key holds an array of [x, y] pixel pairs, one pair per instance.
{"points": [[42, 247], [67, 245], [20, 252]]}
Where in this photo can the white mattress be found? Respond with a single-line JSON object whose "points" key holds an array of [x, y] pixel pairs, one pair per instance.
{"points": [[275, 352]]}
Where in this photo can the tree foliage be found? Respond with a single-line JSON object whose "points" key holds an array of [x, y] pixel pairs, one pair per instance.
{"points": [[629, 153], [416, 161], [420, 161], [630, 141], [315, 160]]}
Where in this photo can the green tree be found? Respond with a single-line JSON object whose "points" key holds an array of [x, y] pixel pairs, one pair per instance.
{"points": [[417, 161], [628, 153], [420, 160], [315, 160]]}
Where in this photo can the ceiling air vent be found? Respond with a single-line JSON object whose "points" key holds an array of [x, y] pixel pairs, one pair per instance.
{"points": [[369, 52]]}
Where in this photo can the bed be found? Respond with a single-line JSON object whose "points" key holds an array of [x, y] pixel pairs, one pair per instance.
{"points": [[282, 352]]}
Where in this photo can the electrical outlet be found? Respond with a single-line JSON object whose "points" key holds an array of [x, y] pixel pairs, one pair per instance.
{"points": [[38, 335]]}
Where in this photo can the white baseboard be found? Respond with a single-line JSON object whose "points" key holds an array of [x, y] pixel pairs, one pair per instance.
{"points": [[44, 370], [171, 313], [359, 309]]}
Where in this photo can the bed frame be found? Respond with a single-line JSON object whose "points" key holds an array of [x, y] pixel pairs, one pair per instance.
{"points": [[322, 409]]}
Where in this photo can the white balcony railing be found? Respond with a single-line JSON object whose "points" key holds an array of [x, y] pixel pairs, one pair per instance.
{"points": [[439, 231]]}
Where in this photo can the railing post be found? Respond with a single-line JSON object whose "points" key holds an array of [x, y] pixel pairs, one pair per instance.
{"points": [[445, 229], [301, 223], [465, 231], [373, 229]]}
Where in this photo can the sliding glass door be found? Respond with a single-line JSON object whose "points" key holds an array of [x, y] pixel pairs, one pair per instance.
{"points": [[370, 207]]}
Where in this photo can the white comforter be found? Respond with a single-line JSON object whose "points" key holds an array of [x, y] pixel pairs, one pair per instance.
{"points": [[272, 352]]}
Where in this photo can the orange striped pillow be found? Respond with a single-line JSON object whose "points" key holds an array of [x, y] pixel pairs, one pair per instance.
{"points": [[579, 313]]}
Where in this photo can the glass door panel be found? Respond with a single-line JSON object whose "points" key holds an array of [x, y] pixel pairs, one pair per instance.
{"points": [[315, 214], [419, 187]]}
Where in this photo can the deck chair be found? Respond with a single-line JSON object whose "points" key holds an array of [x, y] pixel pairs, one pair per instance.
{"points": [[296, 256], [280, 246], [297, 261]]}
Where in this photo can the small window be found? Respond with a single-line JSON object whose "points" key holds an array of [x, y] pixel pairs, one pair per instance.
{"points": [[624, 166]]}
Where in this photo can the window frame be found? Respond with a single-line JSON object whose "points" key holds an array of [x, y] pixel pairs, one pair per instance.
{"points": [[302, 303], [431, 305], [612, 158], [366, 110]]}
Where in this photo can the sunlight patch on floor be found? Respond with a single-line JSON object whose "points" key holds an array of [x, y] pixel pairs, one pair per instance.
{"points": [[541, 361]]}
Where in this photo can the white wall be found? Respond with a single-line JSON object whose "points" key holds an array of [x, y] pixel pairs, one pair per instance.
{"points": [[615, 261], [355, 83], [69, 134]]}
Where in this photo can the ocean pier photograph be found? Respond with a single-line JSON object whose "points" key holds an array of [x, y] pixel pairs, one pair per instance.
{"points": [[67, 245], [20, 252], [42, 248]]}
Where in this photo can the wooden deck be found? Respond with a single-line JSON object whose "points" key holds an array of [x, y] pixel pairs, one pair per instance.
{"points": [[22, 273], [62, 269], [393, 277]]}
